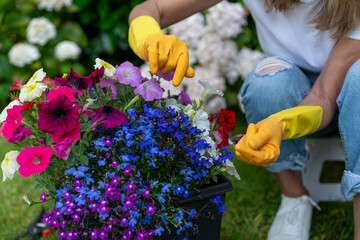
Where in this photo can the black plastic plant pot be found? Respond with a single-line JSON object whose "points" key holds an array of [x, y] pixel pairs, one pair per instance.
{"points": [[208, 225]]}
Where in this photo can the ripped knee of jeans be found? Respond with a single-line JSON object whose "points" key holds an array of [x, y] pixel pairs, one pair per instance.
{"points": [[270, 66]]}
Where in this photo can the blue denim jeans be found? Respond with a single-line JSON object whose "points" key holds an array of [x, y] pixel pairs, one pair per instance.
{"points": [[277, 84]]}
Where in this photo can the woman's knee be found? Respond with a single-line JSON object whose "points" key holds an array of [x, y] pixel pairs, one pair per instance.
{"points": [[351, 87], [353, 75], [276, 83]]}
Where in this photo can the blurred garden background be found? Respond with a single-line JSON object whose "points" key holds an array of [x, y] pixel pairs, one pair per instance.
{"points": [[58, 35]]}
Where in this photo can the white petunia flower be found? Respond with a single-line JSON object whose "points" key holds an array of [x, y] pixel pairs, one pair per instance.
{"points": [[230, 169], [22, 53], [212, 150], [109, 69], [171, 102], [67, 50], [50, 5], [209, 89], [9, 165], [201, 121], [4, 114], [30, 92], [214, 105], [38, 76], [40, 31]]}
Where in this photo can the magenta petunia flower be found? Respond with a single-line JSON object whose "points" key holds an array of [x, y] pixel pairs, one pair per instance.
{"points": [[77, 82], [74, 134], [63, 148], [59, 118], [21, 132], [34, 160], [185, 98], [128, 74], [167, 76], [110, 83], [150, 90], [110, 116], [63, 90], [13, 120]]}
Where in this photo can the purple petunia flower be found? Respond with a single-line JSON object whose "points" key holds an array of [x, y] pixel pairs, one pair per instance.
{"points": [[128, 74], [21, 132], [150, 90], [110, 83], [185, 98], [59, 118], [77, 82], [111, 116], [167, 76]]}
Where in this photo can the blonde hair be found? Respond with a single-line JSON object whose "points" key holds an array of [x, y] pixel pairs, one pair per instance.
{"points": [[339, 16]]}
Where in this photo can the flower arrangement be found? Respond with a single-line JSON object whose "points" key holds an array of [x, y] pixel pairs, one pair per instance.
{"points": [[113, 154]]}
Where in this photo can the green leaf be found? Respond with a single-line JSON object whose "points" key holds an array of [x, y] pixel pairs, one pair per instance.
{"points": [[72, 31], [84, 118], [84, 160], [83, 3], [15, 20], [244, 37], [38, 186], [106, 43], [214, 178], [51, 187], [86, 143]]}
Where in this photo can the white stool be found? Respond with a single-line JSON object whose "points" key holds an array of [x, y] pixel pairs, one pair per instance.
{"points": [[321, 150]]}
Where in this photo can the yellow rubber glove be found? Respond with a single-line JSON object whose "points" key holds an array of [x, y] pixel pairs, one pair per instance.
{"points": [[163, 52], [261, 144]]}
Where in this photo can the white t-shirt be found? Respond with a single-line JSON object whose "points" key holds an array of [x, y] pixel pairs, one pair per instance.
{"points": [[289, 35]]}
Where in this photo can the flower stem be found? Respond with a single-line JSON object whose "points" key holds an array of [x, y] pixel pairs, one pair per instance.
{"points": [[131, 102]]}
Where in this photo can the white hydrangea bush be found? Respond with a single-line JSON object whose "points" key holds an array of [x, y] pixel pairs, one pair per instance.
{"points": [[212, 48], [40, 30], [67, 50], [53, 5], [22, 54]]}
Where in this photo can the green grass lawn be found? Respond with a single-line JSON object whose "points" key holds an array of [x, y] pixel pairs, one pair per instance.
{"points": [[251, 206]]}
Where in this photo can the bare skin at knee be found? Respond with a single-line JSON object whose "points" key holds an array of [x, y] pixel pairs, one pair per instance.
{"points": [[271, 65], [291, 183]]}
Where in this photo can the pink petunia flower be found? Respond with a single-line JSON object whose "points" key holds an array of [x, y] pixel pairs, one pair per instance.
{"points": [[128, 74], [150, 90], [49, 82], [13, 120], [77, 82], [185, 98], [59, 118], [17, 85], [34, 160], [2, 129], [21, 132], [63, 90], [63, 148], [110, 117]]}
